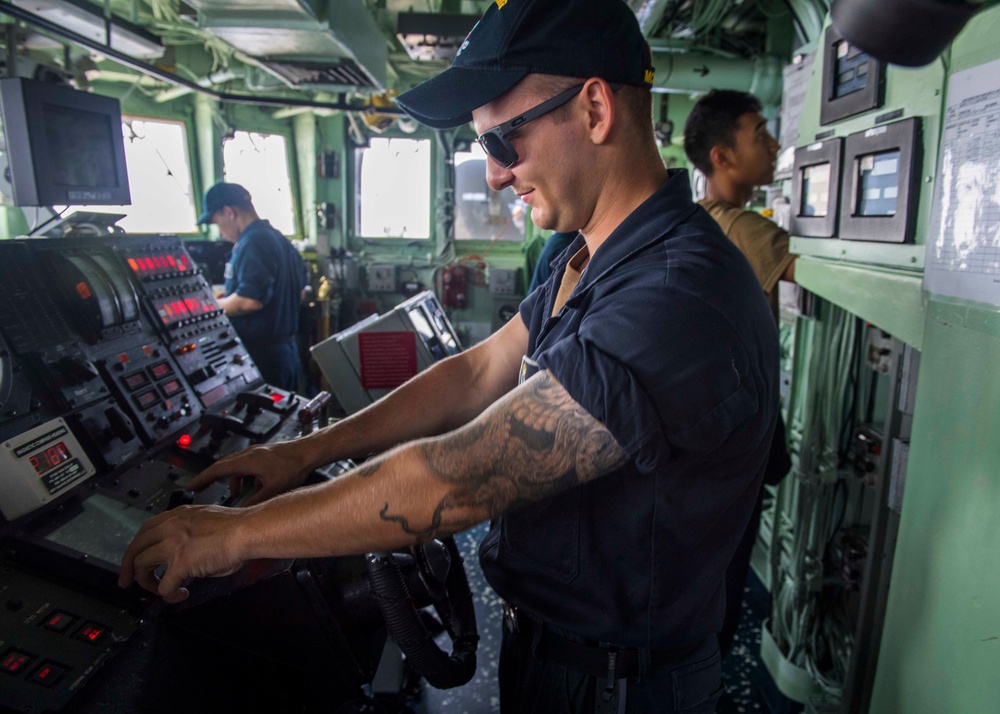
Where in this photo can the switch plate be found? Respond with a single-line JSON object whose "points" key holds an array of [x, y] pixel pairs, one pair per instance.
{"points": [[382, 278], [503, 281]]}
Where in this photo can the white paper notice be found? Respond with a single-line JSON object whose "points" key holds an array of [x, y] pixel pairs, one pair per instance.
{"points": [[963, 240]]}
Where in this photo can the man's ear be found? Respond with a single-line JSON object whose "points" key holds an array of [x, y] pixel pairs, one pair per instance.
{"points": [[720, 157], [601, 110]]}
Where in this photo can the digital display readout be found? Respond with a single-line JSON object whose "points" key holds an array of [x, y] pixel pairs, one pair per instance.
{"points": [[45, 461], [152, 265], [172, 311], [161, 370], [172, 387], [147, 399], [136, 380]]}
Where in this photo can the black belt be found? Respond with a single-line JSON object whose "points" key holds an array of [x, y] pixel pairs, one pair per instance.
{"points": [[606, 660]]}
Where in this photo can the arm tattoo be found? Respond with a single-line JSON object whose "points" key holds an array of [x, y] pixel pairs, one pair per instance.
{"points": [[532, 443]]}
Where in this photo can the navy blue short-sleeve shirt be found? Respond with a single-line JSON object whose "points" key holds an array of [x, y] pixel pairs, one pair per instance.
{"points": [[265, 266], [668, 341]]}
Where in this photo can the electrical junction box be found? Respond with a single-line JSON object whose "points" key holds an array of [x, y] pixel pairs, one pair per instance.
{"points": [[382, 278], [503, 281], [504, 310]]}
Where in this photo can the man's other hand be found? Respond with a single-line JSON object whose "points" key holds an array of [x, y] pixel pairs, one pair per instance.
{"points": [[273, 467]]}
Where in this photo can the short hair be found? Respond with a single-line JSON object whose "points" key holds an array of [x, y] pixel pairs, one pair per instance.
{"points": [[713, 121]]}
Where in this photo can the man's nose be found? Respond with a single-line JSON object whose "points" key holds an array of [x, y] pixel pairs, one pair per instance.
{"points": [[497, 177]]}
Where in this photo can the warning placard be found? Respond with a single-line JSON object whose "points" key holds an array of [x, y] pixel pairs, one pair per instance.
{"points": [[387, 358]]}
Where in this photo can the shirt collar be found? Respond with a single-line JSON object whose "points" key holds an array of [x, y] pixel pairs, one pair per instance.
{"points": [[669, 205]]}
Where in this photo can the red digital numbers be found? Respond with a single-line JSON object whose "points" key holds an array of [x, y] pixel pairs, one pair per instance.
{"points": [[46, 460]]}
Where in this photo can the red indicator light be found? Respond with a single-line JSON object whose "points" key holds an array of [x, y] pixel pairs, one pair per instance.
{"points": [[184, 441], [83, 290], [124, 358], [14, 662], [173, 263], [91, 633], [276, 398], [134, 265], [44, 672]]}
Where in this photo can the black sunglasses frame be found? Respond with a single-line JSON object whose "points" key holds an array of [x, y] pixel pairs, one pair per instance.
{"points": [[500, 132]]}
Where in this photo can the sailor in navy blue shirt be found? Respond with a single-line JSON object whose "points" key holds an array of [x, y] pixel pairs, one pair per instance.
{"points": [[662, 340], [620, 470], [264, 280]]}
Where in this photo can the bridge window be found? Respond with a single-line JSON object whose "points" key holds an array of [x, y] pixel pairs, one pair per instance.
{"points": [[480, 212], [393, 189], [259, 163], [159, 179]]}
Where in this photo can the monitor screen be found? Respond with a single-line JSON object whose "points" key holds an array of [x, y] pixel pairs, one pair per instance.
{"points": [[79, 144], [65, 147], [850, 71], [815, 190], [878, 183]]}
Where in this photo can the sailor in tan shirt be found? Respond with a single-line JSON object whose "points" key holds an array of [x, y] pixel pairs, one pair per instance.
{"points": [[727, 139]]}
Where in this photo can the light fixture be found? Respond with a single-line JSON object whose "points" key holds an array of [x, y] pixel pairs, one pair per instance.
{"points": [[85, 20]]}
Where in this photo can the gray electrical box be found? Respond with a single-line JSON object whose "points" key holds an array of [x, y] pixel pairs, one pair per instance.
{"points": [[367, 361], [503, 281], [382, 278]]}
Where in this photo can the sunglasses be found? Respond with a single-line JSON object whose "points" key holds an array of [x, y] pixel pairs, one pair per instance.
{"points": [[495, 142]]}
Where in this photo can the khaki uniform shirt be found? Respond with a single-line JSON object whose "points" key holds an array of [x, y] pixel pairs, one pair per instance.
{"points": [[762, 241]]}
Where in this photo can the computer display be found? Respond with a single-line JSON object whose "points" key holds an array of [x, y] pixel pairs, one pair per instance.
{"points": [[878, 183], [64, 147], [815, 190]]}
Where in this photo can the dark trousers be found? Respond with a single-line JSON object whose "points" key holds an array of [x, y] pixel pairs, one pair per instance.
{"points": [[778, 464], [278, 363], [532, 684]]}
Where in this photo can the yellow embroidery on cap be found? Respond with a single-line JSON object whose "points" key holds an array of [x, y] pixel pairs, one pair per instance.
{"points": [[649, 76], [500, 4]]}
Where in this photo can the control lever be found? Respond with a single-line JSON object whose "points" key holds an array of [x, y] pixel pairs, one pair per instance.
{"points": [[77, 369], [120, 427], [315, 410], [256, 402], [222, 425]]}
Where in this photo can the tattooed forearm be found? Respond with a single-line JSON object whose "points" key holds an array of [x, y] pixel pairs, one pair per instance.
{"points": [[428, 533], [534, 442]]}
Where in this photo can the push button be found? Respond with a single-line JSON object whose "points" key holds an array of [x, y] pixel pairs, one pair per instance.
{"points": [[48, 674], [58, 621], [91, 632], [15, 661]]}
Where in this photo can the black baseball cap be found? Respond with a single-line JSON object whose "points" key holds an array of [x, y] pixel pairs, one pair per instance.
{"points": [[515, 38], [221, 195]]}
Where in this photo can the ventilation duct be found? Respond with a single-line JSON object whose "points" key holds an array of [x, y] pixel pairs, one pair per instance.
{"points": [[327, 45]]}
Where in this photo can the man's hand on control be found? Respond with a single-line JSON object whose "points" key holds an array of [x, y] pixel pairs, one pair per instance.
{"points": [[191, 541], [274, 468]]}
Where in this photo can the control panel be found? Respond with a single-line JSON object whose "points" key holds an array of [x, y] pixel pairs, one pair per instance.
{"points": [[52, 641], [120, 379], [181, 304]]}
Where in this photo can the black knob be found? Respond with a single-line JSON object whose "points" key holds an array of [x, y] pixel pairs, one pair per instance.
{"points": [[180, 497]]}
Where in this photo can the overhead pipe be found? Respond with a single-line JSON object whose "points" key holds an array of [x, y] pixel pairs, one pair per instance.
{"points": [[648, 13], [154, 71], [700, 72], [168, 95]]}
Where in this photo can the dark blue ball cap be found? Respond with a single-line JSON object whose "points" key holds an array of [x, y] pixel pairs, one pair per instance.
{"points": [[515, 38], [221, 195]]}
